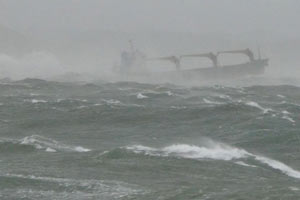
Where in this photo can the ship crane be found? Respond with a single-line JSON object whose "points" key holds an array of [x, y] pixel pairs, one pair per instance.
{"points": [[174, 59], [246, 52], [211, 56]]}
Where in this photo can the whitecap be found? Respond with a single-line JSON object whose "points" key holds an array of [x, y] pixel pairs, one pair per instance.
{"points": [[50, 145], [112, 101], [103, 153], [224, 96], [95, 189], [60, 100], [50, 150], [285, 115], [36, 101], [143, 149], [34, 94], [256, 105], [215, 151], [81, 107], [294, 188], [169, 93], [285, 112], [211, 102], [82, 100], [81, 149], [178, 107], [281, 96], [289, 103], [141, 96], [244, 164], [279, 166], [288, 118], [218, 152]]}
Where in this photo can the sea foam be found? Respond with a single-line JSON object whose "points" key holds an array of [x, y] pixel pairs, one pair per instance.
{"points": [[215, 151], [95, 189], [141, 96], [50, 145], [211, 102], [218, 152], [256, 105]]}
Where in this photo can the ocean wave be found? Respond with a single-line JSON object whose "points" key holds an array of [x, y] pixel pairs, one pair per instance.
{"points": [[289, 103], [238, 104], [39, 143], [141, 96], [35, 101], [224, 96], [256, 105], [281, 96], [212, 102], [288, 119], [279, 166], [215, 151], [51, 145], [162, 93], [286, 116], [114, 102], [74, 188], [244, 164]]}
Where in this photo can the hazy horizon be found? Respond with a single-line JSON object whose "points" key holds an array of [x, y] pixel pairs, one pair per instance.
{"points": [[88, 36], [149, 99]]}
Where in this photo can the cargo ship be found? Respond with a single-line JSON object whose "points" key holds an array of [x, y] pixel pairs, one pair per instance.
{"points": [[133, 64]]}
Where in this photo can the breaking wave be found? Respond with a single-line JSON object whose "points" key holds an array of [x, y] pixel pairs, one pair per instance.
{"points": [[141, 96], [39, 143], [256, 105], [73, 188], [215, 151], [218, 152]]}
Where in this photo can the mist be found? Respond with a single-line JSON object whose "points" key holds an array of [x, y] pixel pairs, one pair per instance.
{"points": [[149, 99], [45, 39]]}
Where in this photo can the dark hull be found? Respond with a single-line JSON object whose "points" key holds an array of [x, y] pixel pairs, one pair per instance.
{"points": [[255, 67], [211, 74]]}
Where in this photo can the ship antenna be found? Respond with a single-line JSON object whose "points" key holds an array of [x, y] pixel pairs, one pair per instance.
{"points": [[131, 45], [258, 51]]}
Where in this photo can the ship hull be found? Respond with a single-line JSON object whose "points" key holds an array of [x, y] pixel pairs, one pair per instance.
{"points": [[227, 72], [256, 67]]}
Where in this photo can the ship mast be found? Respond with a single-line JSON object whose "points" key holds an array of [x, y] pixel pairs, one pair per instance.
{"points": [[132, 49], [259, 53]]}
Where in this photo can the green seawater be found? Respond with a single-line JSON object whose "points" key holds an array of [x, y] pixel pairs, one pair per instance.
{"points": [[129, 140]]}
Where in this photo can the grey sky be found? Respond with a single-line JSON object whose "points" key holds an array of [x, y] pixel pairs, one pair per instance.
{"points": [[208, 16]]}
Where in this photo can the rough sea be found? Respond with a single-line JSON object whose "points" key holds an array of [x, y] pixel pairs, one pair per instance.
{"points": [[127, 140]]}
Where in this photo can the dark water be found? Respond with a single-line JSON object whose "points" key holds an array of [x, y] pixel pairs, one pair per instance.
{"points": [[145, 141]]}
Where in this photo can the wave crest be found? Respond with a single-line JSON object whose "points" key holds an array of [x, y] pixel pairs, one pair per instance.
{"points": [[40, 143], [215, 151]]}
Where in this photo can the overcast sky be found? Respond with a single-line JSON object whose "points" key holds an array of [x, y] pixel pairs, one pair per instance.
{"points": [[197, 16]]}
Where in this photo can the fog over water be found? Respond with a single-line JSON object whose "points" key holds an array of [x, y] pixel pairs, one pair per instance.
{"points": [[48, 38], [111, 99]]}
